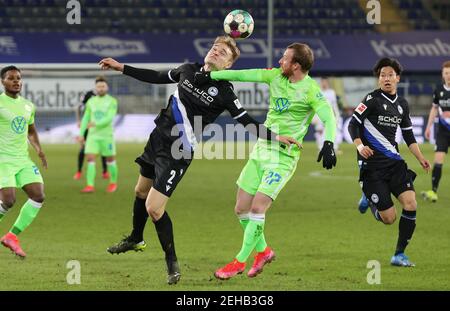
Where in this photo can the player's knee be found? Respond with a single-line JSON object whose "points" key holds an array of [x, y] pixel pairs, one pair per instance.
{"points": [[155, 215], [388, 219], [8, 202], [257, 209], [240, 209], [38, 197], [154, 212], [410, 204], [141, 193]]}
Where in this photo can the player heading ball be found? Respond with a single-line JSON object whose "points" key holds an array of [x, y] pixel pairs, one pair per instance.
{"points": [[160, 171]]}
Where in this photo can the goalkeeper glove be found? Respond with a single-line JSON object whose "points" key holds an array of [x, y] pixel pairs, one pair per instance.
{"points": [[328, 155]]}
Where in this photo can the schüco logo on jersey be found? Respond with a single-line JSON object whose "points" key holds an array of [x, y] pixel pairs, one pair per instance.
{"points": [[18, 124]]}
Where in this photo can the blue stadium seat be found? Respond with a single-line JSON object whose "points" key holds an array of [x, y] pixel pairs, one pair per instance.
{"points": [[312, 16]]}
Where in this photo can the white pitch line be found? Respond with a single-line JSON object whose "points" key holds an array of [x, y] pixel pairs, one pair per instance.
{"points": [[319, 174]]}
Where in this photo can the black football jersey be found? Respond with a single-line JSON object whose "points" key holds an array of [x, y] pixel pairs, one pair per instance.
{"points": [[192, 107], [85, 99], [441, 100], [379, 116]]}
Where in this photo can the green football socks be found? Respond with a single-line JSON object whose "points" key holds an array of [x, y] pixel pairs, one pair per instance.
{"points": [[90, 174], [27, 214], [253, 232], [113, 171], [261, 244]]}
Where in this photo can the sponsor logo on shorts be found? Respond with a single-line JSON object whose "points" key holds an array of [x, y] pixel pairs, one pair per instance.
{"points": [[35, 170], [272, 177], [18, 125], [374, 198]]}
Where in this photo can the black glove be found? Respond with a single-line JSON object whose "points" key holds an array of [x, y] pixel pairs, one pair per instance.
{"points": [[328, 154], [202, 78]]}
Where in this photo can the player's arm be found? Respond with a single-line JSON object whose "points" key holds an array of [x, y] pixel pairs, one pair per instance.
{"points": [[356, 124], [325, 113], [109, 117], [246, 75], [433, 114], [85, 120], [33, 138], [78, 114], [261, 131], [410, 140], [238, 113], [144, 75]]}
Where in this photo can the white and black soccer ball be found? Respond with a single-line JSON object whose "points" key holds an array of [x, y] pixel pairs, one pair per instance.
{"points": [[238, 24]]}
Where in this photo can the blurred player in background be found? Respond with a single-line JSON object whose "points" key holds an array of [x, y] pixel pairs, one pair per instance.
{"points": [[99, 118], [79, 112], [440, 108], [319, 133], [383, 171], [16, 168], [164, 163], [294, 99]]}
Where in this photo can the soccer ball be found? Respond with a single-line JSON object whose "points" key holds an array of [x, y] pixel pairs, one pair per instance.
{"points": [[238, 24]]}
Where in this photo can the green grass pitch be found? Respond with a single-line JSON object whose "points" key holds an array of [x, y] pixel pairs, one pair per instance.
{"points": [[321, 240]]}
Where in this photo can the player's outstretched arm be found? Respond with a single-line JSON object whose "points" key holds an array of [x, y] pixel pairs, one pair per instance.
{"points": [[34, 141], [245, 75], [144, 75], [261, 131]]}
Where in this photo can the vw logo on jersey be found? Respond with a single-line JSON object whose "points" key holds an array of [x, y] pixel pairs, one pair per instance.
{"points": [[213, 91], [18, 124], [98, 115], [400, 109], [281, 104]]}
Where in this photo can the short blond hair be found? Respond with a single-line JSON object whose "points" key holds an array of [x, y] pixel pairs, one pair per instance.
{"points": [[231, 44], [446, 64]]}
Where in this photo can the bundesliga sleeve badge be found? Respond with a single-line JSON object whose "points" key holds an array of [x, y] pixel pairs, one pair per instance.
{"points": [[361, 108]]}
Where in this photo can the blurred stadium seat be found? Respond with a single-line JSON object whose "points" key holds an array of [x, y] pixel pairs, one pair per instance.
{"points": [[151, 16]]}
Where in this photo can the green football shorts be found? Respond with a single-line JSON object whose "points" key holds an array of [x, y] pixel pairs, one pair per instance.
{"points": [[16, 174], [267, 171], [106, 147]]}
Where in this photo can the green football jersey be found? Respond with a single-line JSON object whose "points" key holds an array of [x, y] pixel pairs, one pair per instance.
{"points": [[292, 105], [101, 111], [16, 114]]}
